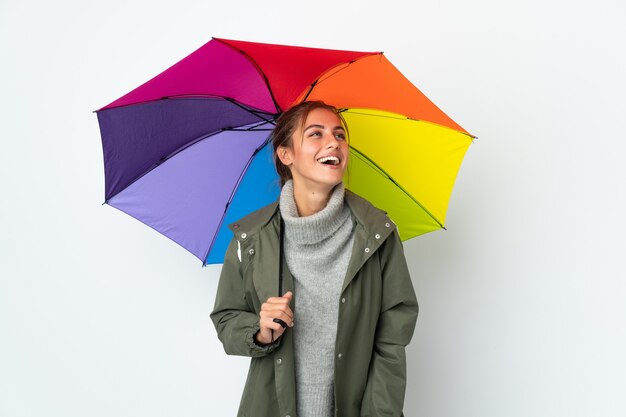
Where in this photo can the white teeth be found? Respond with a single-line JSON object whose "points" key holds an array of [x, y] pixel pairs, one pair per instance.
{"points": [[334, 160]]}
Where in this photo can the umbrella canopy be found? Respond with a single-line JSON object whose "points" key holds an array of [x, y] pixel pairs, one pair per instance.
{"points": [[188, 152]]}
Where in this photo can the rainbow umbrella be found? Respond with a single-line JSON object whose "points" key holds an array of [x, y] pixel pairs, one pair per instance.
{"points": [[189, 151]]}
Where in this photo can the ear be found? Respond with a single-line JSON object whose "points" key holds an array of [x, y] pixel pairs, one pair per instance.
{"points": [[284, 154]]}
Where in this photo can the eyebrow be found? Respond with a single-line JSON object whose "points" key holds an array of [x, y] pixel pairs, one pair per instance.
{"points": [[322, 127]]}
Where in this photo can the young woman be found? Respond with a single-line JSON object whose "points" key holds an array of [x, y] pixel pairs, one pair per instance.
{"points": [[334, 343]]}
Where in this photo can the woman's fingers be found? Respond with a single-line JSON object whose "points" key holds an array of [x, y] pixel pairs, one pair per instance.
{"points": [[270, 324], [279, 305], [276, 308], [285, 299], [277, 314]]}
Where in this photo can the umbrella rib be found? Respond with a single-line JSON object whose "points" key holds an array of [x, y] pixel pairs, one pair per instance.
{"points": [[178, 150], [386, 174], [253, 126], [345, 66], [262, 122], [311, 87], [402, 117], [397, 116], [258, 68], [232, 195], [236, 129], [167, 157], [257, 114]]}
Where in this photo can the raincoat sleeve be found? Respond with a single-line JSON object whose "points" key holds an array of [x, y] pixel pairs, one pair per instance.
{"points": [[235, 320], [386, 381]]}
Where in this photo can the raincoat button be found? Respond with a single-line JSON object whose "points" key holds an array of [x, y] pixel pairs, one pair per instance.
{"points": [[343, 300], [339, 356], [251, 251], [377, 236], [387, 225], [367, 250], [243, 235], [279, 361]]}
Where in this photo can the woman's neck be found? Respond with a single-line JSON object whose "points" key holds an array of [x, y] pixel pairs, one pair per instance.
{"points": [[310, 200]]}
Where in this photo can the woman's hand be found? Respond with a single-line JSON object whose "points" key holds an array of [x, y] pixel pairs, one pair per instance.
{"points": [[274, 308]]}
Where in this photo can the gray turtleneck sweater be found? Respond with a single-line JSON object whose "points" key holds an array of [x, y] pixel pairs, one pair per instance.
{"points": [[317, 250]]}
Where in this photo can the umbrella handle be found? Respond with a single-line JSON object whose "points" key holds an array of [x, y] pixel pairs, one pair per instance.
{"points": [[280, 257], [282, 323], [280, 270]]}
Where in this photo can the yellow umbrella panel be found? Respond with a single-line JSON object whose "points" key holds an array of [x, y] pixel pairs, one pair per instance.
{"points": [[406, 167], [405, 151]]}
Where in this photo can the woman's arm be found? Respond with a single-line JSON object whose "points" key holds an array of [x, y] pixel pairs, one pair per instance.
{"points": [[234, 319], [386, 383]]}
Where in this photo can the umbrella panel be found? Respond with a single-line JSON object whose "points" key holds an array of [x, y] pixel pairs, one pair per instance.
{"points": [[259, 187], [214, 69], [373, 82], [185, 198], [366, 180], [422, 158], [136, 139]]}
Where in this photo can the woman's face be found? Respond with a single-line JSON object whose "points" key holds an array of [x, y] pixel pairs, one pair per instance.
{"points": [[318, 154]]}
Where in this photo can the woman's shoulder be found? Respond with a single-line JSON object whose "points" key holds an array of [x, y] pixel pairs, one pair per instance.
{"points": [[254, 220], [366, 213], [361, 206]]}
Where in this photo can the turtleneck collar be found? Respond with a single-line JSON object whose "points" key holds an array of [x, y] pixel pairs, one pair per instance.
{"points": [[316, 227]]}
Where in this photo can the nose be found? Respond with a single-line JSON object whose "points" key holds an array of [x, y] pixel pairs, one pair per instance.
{"points": [[332, 141]]}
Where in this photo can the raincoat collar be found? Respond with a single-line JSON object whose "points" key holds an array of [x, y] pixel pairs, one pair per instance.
{"points": [[372, 228], [373, 220]]}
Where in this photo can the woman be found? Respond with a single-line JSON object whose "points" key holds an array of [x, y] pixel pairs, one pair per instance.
{"points": [[348, 308]]}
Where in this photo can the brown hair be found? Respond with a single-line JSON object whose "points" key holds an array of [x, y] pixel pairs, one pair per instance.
{"points": [[286, 125]]}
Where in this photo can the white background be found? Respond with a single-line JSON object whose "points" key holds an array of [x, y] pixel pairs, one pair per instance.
{"points": [[522, 308]]}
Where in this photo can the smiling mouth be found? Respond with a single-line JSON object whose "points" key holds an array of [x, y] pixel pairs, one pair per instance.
{"points": [[329, 160]]}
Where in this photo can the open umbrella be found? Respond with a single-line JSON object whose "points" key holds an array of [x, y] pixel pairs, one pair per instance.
{"points": [[189, 151]]}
